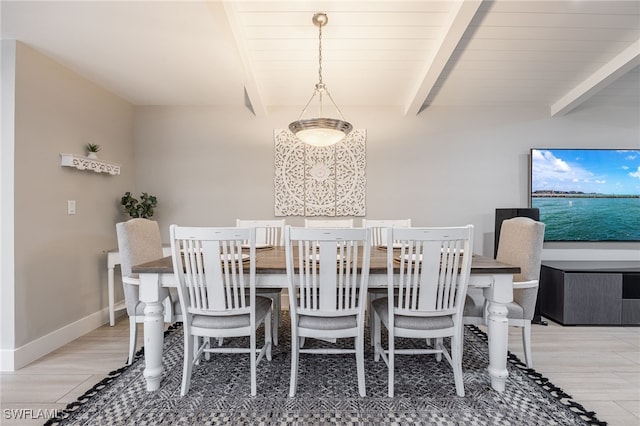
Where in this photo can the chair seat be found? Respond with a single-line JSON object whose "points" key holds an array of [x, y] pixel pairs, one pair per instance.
{"points": [[263, 307], [327, 323], [411, 322]]}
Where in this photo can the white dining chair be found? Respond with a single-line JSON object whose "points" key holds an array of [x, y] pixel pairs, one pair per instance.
{"points": [[427, 281], [379, 239], [327, 291], [269, 233], [218, 298], [520, 244], [328, 223], [139, 241]]}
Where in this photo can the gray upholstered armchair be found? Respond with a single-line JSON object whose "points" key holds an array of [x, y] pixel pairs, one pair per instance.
{"points": [[139, 241], [520, 244]]}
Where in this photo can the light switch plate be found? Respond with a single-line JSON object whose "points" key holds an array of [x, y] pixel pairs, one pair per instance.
{"points": [[71, 206]]}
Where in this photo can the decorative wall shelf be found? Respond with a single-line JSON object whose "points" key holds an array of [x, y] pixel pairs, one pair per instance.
{"points": [[85, 163]]}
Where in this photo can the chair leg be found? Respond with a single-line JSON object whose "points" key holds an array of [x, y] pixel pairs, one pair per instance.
{"points": [[377, 336], [372, 297], [268, 335], [456, 358], [295, 353], [168, 310], [276, 319], [133, 339], [526, 343], [391, 358], [188, 362], [439, 342], [371, 318], [360, 364], [196, 345], [207, 340], [252, 353]]}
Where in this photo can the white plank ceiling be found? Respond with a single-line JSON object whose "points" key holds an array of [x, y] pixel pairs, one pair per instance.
{"points": [[402, 54]]}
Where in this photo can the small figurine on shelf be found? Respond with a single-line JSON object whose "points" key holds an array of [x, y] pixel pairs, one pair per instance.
{"points": [[92, 150]]}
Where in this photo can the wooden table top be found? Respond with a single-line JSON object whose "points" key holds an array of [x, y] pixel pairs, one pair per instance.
{"points": [[271, 261]]}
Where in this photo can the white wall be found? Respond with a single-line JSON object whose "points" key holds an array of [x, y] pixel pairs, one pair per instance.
{"points": [[7, 293], [59, 267], [446, 166]]}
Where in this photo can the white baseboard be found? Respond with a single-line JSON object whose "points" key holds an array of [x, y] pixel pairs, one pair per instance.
{"points": [[15, 359]]}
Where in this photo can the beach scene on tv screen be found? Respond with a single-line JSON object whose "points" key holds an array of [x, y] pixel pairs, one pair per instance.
{"points": [[587, 194]]}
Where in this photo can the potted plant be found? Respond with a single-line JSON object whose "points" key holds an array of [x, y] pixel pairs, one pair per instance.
{"points": [[139, 208], [92, 150]]}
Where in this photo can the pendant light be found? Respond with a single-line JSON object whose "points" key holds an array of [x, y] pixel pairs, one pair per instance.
{"points": [[320, 131]]}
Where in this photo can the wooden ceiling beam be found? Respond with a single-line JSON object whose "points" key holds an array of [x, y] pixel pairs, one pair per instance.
{"points": [[459, 21], [253, 98], [610, 72]]}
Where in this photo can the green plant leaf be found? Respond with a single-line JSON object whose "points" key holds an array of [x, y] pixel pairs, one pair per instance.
{"points": [[139, 209], [93, 147]]}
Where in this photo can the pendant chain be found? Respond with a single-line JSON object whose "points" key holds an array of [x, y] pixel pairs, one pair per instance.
{"points": [[320, 54]]}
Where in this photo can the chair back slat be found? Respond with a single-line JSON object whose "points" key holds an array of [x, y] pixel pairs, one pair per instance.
{"points": [[210, 266], [270, 232], [379, 228], [433, 269], [330, 273]]}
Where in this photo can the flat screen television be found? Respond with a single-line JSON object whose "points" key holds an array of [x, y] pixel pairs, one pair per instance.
{"points": [[586, 194]]}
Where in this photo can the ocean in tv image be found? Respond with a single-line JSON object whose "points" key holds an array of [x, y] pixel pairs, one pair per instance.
{"points": [[589, 219], [587, 194]]}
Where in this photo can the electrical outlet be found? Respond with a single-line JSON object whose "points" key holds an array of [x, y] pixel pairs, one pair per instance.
{"points": [[71, 206]]}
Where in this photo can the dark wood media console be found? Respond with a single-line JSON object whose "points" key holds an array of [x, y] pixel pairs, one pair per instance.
{"points": [[590, 292]]}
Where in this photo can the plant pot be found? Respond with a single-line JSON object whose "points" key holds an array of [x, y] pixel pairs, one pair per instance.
{"points": [[92, 155]]}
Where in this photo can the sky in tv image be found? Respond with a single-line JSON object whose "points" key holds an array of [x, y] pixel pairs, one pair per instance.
{"points": [[606, 171]]}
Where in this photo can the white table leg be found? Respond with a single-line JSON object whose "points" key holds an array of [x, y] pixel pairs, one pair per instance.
{"points": [[153, 329], [112, 314], [498, 296]]}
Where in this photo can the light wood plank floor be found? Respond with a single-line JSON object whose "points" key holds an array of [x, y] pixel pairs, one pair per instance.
{"points": [[598, 366]]}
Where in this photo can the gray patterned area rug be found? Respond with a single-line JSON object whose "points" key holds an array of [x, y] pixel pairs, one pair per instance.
{"points": [[327, 391]]}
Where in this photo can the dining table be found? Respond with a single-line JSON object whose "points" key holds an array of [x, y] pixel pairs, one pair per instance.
{"points": [[493, 277]]}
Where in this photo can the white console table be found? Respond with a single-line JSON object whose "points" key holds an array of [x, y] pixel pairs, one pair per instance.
{"points": [[113, 259]]}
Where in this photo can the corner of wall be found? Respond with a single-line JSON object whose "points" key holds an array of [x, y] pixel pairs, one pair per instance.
{"points": [[7, 155]]}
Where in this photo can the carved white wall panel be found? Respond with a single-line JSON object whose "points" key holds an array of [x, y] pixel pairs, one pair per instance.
{"points": [[320, 181]]}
